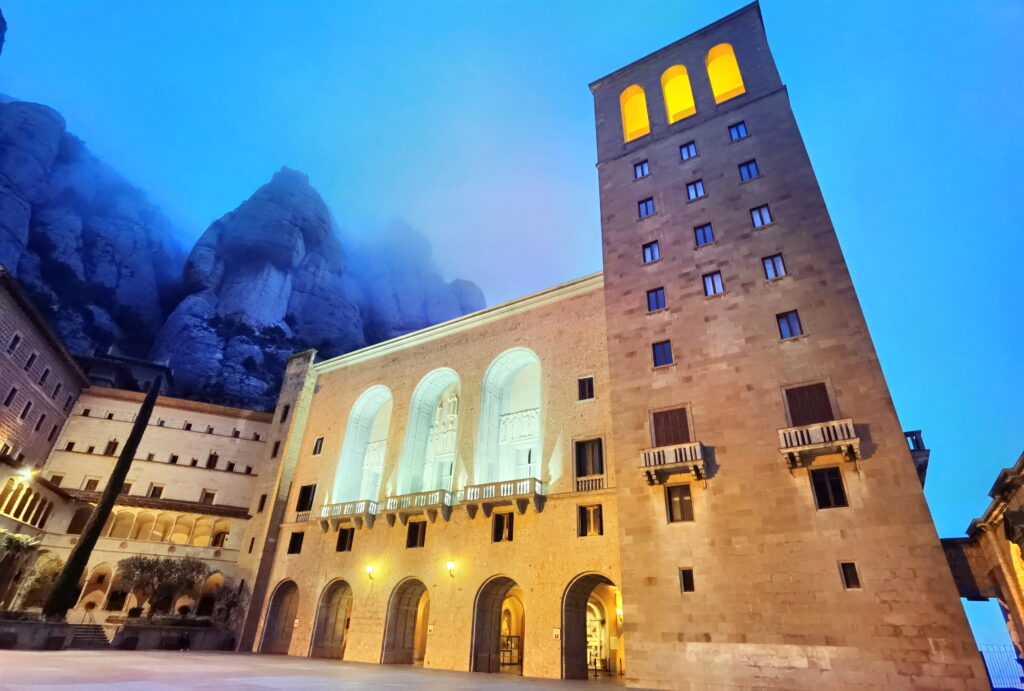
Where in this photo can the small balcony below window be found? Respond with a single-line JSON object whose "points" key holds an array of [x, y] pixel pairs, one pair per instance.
{"points": [[590, 482], [359, 513], [799, 446], [432, 503], [519, 493], [660, 462]]}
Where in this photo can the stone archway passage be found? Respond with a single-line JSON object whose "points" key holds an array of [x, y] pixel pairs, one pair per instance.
{"points": [[400, 633], [487, 624], [332, 621], [574, 624], [277, 630]]}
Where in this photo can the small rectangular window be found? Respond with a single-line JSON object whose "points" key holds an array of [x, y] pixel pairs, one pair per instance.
{"points": [[231, 467], [173, 459], [678, 503], [70, 446], [652, 252], [187, 426], [150, 456], [655, 299], [686, 580], [848, 572], [111, 448], [284, 412], [416, 535], [589, 458], [789, 324], [738, 131], [274, 449], [252, 543], [704, 235], [110, 416], [236, 433], [160, 422], [829, 492], [645, 208], [261, 504], [749, 170], [255, 436], [662, 353], [209, 430], [31, 361], [211, 460], [10, 396], [248, 470], [295, 542], [305, 500], [641, 169], [345, 538], [501, 527], [318, 446], [713, 283], [86, 412], [53, 433], [39, 422], [589, 521], [44, 376], [126, 488], [688, 151], [695, 189], [56, 390], [90, 449], [155, 491], [26, 410], [194, 462], [67, 403], [55, 480], [774, 267], [13, 345], [585, 388], [761, 216], [91, 484], [207, 496]]}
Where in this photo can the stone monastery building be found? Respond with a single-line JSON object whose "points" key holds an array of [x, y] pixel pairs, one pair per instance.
{"points": [[684, 472]]}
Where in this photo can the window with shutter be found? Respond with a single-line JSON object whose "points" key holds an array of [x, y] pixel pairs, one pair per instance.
{"points": [[670, 427], [809, 404], [678, 503], [589, 520], [589, 458], [501, 527], [305, 499]]}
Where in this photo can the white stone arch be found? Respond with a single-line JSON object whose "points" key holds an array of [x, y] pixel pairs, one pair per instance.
{"points": [[361, 464], [428, 450], [509, 436]]}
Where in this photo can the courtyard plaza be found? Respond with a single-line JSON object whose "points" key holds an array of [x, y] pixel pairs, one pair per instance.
{"points": [[111, 670]]}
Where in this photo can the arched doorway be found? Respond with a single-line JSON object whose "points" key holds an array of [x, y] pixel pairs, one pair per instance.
{"points": [[499, 621], [332, 617], [277, 630], [405, 636], [592, 637]]}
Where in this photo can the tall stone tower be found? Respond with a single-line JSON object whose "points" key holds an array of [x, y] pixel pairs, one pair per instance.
{"points": [[773, 529]]}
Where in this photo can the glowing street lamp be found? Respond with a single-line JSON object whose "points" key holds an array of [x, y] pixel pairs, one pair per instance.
{"points": [[451, 568], [369, 571]]}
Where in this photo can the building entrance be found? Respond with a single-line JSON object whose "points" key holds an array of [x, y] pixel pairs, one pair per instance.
{"points": [[405, 635], [592, 638], [332, 618]]}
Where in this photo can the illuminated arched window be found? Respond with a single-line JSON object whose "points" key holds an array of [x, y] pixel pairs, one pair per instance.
{"points": [[724, 73], [634, 113], [675, 86]]}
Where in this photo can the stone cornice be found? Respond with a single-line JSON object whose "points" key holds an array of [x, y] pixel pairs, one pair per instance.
{"points": [[473, 320]]}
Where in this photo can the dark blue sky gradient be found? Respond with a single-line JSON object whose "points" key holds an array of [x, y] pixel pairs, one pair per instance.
{"points": [[472, 121]]}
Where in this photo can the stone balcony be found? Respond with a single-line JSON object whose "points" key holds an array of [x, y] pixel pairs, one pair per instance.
{"points": [[433, 503], [153, 548], [519, 493], [799, 446], [358, 513], [662, 461]]}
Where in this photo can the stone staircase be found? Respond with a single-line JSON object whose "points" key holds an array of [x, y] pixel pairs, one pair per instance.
{"points": [[88, 637]]}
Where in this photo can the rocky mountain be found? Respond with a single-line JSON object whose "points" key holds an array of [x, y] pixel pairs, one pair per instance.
{"points": [[264, 281], [272, 277]]}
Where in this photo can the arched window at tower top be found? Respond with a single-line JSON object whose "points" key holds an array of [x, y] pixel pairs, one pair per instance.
{"points": [[633, 104], [724, 73], [675, 87]]}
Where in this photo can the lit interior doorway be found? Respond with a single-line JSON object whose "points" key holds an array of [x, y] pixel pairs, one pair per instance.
{"points": [[332, 621], [592, 632], [280, 623], [405, 635], [499, 627]]}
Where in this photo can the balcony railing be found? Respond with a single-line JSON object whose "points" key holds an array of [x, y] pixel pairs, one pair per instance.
{"points": [[799, 445], [519, 492], [431, 503], [662, 461], [919, 452], [302, 516], [360, 511], [589, 482]]}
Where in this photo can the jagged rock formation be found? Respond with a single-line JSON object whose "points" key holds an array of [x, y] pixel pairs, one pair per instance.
{"points": [[270, 278], [93, 252]]}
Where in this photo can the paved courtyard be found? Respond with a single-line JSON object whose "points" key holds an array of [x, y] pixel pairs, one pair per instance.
{"points": [[88, 670]]}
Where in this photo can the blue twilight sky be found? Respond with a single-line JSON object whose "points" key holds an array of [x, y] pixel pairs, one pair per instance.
{"points": [[472, 121]]}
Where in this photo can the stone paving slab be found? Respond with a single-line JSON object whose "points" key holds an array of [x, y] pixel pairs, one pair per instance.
{"points": [[114, 670]]}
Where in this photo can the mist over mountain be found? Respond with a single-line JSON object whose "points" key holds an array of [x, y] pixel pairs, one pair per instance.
{"points": [[268, 279]]}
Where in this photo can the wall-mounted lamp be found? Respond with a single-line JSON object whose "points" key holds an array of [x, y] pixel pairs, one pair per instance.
{"points": [[26, 473], [451, 568], [369, 571]]}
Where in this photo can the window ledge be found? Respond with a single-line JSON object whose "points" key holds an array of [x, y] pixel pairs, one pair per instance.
{"points": [[744, 182], [586, 400], [716, 295], [644, 218], [687, 160], [764, 225], [791, 339], [706, 244], [661, 309], [696, 199], [783, 277], [653, 261], [657, 368]]}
